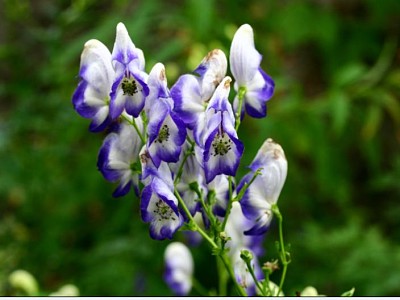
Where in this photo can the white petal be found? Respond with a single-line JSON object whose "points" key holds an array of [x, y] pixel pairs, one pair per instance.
{"points": [[244, 58], [179, 257], [96, 62]]}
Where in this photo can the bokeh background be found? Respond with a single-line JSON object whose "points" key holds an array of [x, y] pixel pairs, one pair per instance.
{"points": [[336, 112]]}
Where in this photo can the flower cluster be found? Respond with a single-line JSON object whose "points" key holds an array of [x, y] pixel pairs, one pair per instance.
{"points": [[178, 149]]}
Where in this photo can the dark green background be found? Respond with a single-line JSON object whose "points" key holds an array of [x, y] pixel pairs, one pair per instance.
{"points": [[336, 113]]}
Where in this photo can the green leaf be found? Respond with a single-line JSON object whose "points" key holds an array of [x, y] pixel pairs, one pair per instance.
{"points": [[349, 293]]}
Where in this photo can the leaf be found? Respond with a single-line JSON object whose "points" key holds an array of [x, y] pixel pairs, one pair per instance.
{"points": [[349, 293]]}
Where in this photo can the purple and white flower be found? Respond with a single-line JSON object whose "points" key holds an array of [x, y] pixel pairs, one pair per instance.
{"points": [[222, 148], [129, 89], [178, 268], [159, 207], [118, 158], [266, 188], [245, 61], [92, 96], [192, 93], [165, 130]]}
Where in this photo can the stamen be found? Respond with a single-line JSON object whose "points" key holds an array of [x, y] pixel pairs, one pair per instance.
{"points": [[129, 86], [221, 144], [163, 211], [163, 135]]}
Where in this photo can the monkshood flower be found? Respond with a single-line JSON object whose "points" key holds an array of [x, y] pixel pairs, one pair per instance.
{"points": [[258, 199], [149, 170], [178, 268], [118, 158], [159, 207], [250, 79], [222, 148], [129, 88], [165, 130], [191, 93], [92, 96]]}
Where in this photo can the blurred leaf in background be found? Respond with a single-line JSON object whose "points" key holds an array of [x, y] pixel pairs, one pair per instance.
{"points": [[336, 112]]}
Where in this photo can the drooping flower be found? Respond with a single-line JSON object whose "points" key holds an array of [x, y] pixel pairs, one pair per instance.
{"points": [[166, 131], [92, 96], [129, 88], [192, 93], [178, 268], [245, 61], [159, 207], [222, 148], [118, 158], [258, 199]]}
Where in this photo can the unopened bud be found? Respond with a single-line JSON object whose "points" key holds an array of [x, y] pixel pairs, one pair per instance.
{"points": [[246, 255]]}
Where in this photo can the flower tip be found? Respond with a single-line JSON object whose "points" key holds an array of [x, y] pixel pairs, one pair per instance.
{"points": [[245, 29], [121, 27], [227, 82], [93, 43], [276, 149], [159, 69]]}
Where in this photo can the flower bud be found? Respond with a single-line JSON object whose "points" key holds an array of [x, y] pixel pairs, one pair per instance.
{"points": [[179, 268], [271, 166]]}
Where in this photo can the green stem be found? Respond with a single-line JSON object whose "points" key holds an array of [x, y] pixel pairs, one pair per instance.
{"points": [[185, 157], [251, 270], [283, 254], [266, 285], [223, 278], [241, 93], [228, 267], [247, 185], [206, 207], [193, 223], [133, 123], [230, 203], [214, 246]]}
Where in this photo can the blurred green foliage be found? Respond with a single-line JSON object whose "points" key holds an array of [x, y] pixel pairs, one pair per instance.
{"points": [[336, 112]]}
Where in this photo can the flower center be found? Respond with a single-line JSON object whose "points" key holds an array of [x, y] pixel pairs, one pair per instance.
{"points": [[163, 135], [129, 86], [221, 144], [163, 211]]}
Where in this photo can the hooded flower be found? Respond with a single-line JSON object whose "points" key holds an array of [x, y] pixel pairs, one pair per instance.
{"points": [[178, 268], [92, 96], [222, 148], [245, 63], [129, 88], [265, 189], [159, 207], [192, 93], [166, 131], [118, 158]]}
